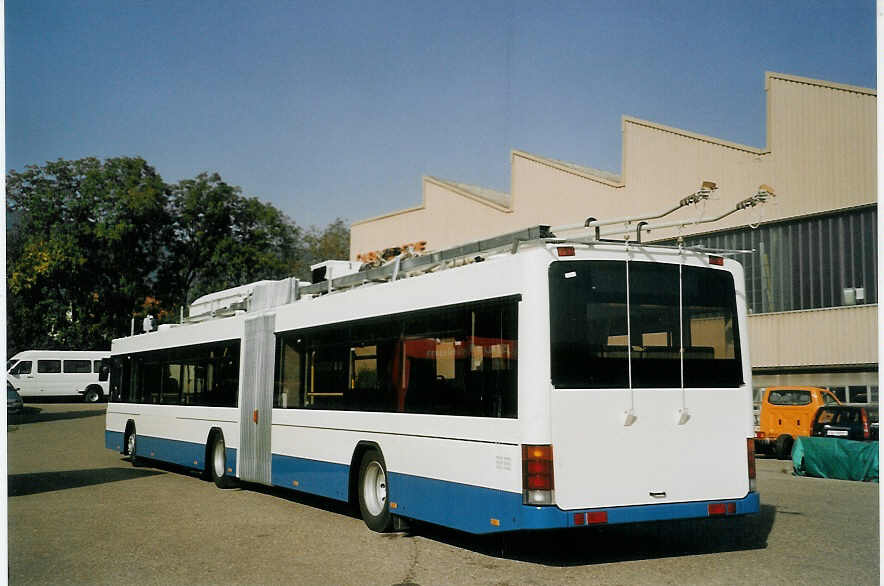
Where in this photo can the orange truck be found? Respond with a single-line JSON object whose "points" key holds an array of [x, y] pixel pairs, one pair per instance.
{"points": [[786, 413]]}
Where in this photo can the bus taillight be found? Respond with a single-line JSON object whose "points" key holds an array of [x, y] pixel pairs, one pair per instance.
{"points": [[750, 455], [865, 424], [537, 475]]}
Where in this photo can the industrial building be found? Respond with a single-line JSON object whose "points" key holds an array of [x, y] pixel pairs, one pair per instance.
{"points": [[812, 275]]}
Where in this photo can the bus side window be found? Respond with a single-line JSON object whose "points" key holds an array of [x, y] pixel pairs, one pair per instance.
{"points": [[329, 369], [289, 368]]}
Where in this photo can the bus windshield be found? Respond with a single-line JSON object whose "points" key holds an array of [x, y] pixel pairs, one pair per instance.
{"points": [[596, 335]]}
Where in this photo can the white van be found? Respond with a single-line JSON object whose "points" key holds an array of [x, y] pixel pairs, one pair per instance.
{"points": [[59, 373]]}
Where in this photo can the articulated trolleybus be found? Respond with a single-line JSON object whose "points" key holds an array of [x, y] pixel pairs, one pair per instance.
{"points": [[521, 382]]}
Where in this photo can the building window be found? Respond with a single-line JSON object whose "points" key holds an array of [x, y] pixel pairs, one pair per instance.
{"points": [[840, 392], [858, 394]]}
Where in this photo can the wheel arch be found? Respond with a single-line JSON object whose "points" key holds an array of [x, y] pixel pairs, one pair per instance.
{"points": [[210, 437], [93, 386], [362, 446]]}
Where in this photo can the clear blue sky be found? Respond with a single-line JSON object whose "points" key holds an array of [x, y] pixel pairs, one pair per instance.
{"points": [[330, 109]]}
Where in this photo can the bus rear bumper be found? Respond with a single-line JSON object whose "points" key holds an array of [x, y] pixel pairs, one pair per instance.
{"points": [[554, 517]]}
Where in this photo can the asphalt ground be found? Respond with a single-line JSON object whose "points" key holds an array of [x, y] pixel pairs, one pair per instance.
{"points": [[81, 514]]}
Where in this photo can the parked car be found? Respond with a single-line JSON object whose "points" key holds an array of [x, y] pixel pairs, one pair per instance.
{"points": [[851, 422], [786, 413], [14, 404]]}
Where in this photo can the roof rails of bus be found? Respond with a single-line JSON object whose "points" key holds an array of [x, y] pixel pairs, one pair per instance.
{"points": [[404, 265]]}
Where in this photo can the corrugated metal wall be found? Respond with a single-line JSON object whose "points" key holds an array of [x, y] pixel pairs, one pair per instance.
{"points": [[843, 336], [807, 263]]}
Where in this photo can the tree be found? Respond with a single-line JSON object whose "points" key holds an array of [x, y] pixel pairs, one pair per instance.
{"points": [[222, 239], [330, 243], [86, 239], [93, 244]]}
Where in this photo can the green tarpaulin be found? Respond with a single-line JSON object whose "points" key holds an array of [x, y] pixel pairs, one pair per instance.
{"points": [[828, 457]]}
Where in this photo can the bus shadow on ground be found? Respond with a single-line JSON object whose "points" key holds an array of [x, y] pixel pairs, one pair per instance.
{"points": [[37, 415], [563, 547], [40, 482], [615, 543], [581, 546], [303, 498]]}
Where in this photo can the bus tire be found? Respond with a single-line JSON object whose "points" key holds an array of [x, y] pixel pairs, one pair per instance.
{"points": [[129, 445], [92, 394], [217, 463], [373, 504], [783, 447]]}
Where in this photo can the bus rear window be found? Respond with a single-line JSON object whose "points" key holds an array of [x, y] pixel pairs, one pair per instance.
{"points": [[595, 340]]}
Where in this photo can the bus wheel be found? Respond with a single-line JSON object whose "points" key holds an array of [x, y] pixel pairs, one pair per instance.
{"points": [[783, 447], [130, 447], [373, 503], [217, 463], [93, 395]]}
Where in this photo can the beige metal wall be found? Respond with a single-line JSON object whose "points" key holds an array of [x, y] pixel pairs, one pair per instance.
{"points": [[447, 215], [815, 337]]}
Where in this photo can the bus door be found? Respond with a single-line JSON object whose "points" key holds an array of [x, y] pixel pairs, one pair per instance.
{"points": [[256, 399]]}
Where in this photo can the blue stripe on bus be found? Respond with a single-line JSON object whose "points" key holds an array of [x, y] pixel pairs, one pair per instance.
{"points": [[482, 510], [460, 506], [320, 478], [188, 454], [113, 440], [473, 509]]}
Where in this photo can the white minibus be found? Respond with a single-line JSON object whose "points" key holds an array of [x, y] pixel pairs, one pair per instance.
{"points": [[59, 373]]}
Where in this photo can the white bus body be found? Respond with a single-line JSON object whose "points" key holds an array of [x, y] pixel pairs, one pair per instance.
{"points": [[59, 373], [501, 395]]}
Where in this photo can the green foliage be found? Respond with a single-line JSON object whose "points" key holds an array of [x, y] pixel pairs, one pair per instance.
{"points": [[332, 243], [222, 239], [94, 243], [83, 248]]}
